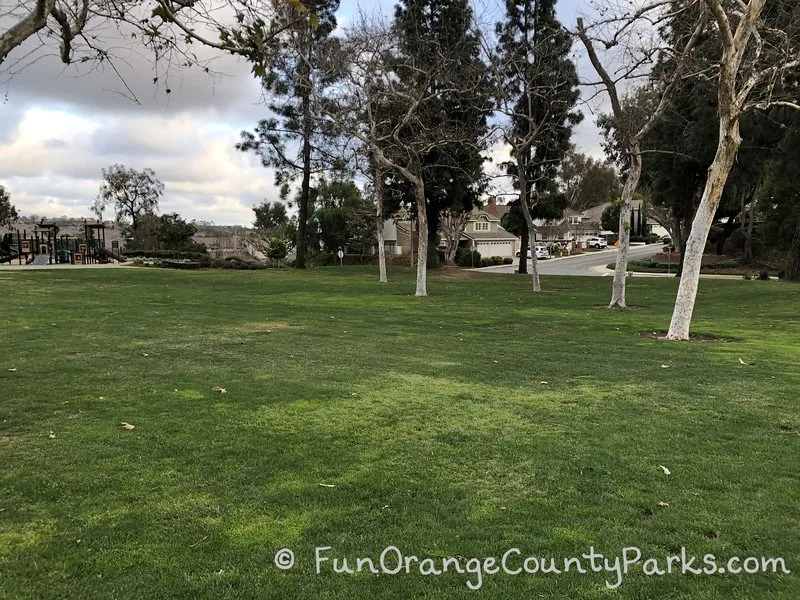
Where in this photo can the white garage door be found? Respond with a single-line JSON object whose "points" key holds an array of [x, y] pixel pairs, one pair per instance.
{"points": [[488, 249]]}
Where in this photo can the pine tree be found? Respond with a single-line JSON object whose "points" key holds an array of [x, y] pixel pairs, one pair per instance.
{"points": [[537, 87], [453, 172], [290, 83]]}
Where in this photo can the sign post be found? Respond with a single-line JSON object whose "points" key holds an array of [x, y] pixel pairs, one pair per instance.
{"points": [[340, 254]]}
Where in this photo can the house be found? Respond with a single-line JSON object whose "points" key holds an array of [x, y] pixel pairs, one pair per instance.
{"points": [[397, 235], [484, 233]]}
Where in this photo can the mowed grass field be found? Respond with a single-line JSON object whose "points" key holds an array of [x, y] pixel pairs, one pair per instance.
{"points": [[461, 425]]}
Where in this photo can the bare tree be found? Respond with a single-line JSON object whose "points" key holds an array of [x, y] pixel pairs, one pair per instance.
{"points": [[759, 49], [388, 115], [170, 29], [453, 224], [633, 30]]}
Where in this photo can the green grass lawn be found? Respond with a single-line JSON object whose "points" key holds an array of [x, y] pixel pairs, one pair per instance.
{"points": [[429, 417]]}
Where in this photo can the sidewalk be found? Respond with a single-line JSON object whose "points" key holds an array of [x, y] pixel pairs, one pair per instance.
{"points": [[6, 268]]}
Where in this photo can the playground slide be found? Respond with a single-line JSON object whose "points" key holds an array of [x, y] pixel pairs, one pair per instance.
{"points": [[115, 256], [7, 257]]}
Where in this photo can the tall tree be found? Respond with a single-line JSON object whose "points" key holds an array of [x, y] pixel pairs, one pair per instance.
{"points": [[631, 125], [293, 142], [779, 195], [759, 50], [269, 215], [453, 173], [8, 212], [131, 193], [588, 182], [391, 115], [536, 91], [343, 217]]}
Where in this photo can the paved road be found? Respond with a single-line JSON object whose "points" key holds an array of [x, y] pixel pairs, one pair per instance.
{"points": [[592, 264]]}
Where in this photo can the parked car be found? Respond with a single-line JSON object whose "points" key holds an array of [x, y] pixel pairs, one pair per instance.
{"points": [[596, 242], [541, 252]]}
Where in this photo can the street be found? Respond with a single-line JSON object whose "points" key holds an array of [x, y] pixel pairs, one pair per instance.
{"points": [[592, 264]]}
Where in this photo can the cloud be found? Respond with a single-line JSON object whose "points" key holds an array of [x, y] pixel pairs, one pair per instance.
{"points": [[60, 126]]}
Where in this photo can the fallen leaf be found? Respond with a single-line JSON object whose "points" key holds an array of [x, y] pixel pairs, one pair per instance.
{"points": [[122, 366], [328, 485], [665, 469], [13, 370], [494, 361], [354, 394], [664, 504], [52, 435], [145, 354], [542, 383], [665, 366], [219, 390], [102, 398], [741, 362], [128, 426]]}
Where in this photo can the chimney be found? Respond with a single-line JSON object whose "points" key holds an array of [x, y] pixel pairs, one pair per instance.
{"points": [[491, 207]]}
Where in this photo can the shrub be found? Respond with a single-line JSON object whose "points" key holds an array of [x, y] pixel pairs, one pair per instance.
{"points": [[485, 262], [764, 275], [170, 254], [508, 261], [782, 274], [233, 262], [652, 238], [320, 259], [747, 277], [467, 258], [496, 260], [723, 264]]}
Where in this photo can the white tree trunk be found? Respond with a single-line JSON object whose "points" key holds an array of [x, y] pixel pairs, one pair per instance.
{"points": [[422, 248], [729, 142], [379, 225], [628, 192]]}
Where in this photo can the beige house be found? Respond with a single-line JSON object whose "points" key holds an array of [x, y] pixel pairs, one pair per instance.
{"points": [[484, 233]]}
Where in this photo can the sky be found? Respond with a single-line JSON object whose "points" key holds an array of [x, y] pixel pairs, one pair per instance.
{"points": [[59, 127]]}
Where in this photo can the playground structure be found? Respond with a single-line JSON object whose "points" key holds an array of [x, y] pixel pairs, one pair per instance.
{"points": [[45, 246]]}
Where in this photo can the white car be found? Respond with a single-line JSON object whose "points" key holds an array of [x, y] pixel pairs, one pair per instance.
{"points": [[596, 242], [541, 252]]}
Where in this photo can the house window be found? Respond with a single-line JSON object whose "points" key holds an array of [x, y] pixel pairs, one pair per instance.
{"points": [[575, 220], [481, 226]]}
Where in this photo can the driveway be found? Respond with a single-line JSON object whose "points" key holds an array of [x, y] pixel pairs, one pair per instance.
{"points": [[591, 264]]}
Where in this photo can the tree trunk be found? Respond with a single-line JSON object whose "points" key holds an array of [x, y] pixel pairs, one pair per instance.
{"points": [[523, 251], [793, 271], [628, 191], [526, 211], [305, 188], [729, 228], [379, 225], [422, 247], [748, 236], [729, 142]]}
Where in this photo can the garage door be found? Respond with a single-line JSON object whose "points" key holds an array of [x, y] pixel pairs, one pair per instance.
{"points": [[488, 249]]}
